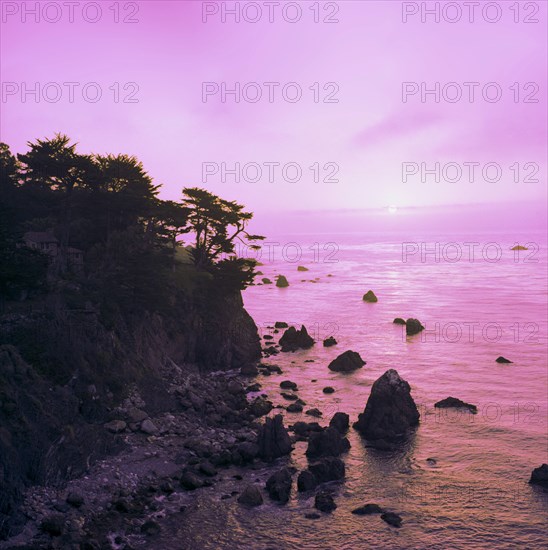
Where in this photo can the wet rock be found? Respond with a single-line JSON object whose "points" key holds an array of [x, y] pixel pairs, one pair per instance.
{"points": [[413, 326], [289, 396], [348, 361], [367, 510], [268, 337], [328, 342], [330, 468], [251, 496], [453, 402], [302, 268], [150, 528], [502, 359], [148, 427], [340, 421], [328, 442], [191, 481], [370, 297], [280, 324], [324, 502], [303, 429], [539, 476], [314, 412], [328, 389], [288, 385], [274, 368], [273, 439], [399, 321], [266, 281], [278, 485], [76, 500], [390, 413], [392, 519], [306, 481], [253, 388], [293, 339], [53, 525], [116, 426], [281, 281], [260, 406], [294, 408]]}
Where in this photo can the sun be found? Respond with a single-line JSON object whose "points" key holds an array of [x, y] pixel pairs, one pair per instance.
{"points": [[392, 209]]}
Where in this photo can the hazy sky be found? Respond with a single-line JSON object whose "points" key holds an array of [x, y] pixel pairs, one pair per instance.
{"points": [[361, 140]]}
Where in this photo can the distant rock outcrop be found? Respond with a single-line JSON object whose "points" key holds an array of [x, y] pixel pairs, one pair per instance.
{"points": [[370, 297], [348, 361], [273, 439], [281, 281], [413, 326], [503, 360], [399, 321], [390, 413], [539, 476], [453, 402], [328, 342], [294, 339]]}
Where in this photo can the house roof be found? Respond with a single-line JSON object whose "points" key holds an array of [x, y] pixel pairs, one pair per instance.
{"points": [[40, 237]]}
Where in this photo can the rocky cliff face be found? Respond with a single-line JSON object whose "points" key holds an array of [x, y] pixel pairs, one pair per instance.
{"points": [[62, 374]]}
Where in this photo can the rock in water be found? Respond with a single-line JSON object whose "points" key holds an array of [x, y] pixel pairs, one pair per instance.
{"points": [[251, 496], [540, 476], [392, 519], [302, 268], [502, 359], [519, 247], [266, 281], [328, 342], [347, 362], [273, 440], [453, 402], [294, 339], [399, 321], [328, 442], [340, 421], [390, 413], [278, 485], [280, 324], [281, 282], [306, 481], [413, 326], [327, 469], [370, 297], [328, 389], [324, 502], [367, 510]]}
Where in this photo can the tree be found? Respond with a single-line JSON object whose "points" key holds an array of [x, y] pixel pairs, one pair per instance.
{"points": [[217, 225]]}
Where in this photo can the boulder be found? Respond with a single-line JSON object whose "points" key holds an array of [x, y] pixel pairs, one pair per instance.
{"points": [[303, 429], [367, 510], [328, 389], [248, 451], [288, 385], [302, 268], [314, 412], [281, 281], [148, 427], [190, 481], [306, 481], [75, 499], [294, 408], [260, 406], [135, 415], [453, 402], [328, 342], [340, 421], [330, 468], [281, 324], [273, 439], [266, 281], [278, 485], [293, 339], [399, 321], [116, 426], [539, 476], [348, 361], [249, 370], [328, 442], [413, 326], [390, 413], [502, 359], [370, 297], [251, 496], [392, 519], [324, 502], [289, 396]]}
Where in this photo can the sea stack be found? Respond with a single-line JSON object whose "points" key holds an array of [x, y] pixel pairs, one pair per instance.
{"points": [[390, 414]]}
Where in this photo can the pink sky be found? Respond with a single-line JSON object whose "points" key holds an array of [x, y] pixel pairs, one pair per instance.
{"points": [[170, 52]]}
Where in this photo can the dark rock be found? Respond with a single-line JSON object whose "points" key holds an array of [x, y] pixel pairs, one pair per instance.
{"points": [[370, 297], [347, 362], [148, 427], [278, 485], [274, 368], [328, 389], [74, 499], [273, 439], [368, 509], [539, 476], [453, 402], [390, 413], [327, 469], [251, 496], [413, 326], [135, 415], [116, 426], [266, 281], [249, 370], [303, 429], [280, 324], [150, 528], [340, 421], [324, 502], [268, 337], [306, 481], [392, 519], [293, 339], [248, 451], [312, 515], [289, 396], [302, 268], [399, 321], [207, 469], [328, 342], [53, 525], [314, 412], [253, 388], [502, 359], [260, 406], [294, 408], [328, 442], [190, 481], [288, 385], [281, 281]]}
